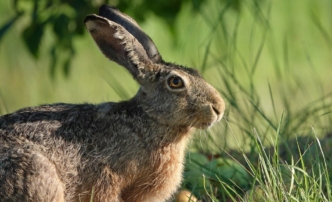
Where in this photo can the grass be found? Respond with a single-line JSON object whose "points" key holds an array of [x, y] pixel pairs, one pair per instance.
{"points": [[270, 62], [275, 137]]}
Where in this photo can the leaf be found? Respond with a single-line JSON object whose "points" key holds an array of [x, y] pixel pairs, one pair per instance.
{"points": [[60, 26], [196, 4], [53, 62], [9, 24], [32, 36], [66, 67]]}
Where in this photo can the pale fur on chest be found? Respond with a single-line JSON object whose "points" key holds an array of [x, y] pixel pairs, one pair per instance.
{"points": [[154, 182], [163, 177]]}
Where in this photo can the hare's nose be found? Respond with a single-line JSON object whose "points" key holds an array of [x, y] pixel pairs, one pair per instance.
{"points": [[219, 109], [217, 104], [216, 110]]}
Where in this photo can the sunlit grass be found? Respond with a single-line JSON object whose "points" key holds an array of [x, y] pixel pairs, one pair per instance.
{"points": [[279, 102]]}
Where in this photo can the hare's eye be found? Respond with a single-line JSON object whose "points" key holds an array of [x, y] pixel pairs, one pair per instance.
{"points": [[175, 82]]}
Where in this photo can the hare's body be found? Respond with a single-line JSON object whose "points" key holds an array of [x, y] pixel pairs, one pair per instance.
{"points": [[127, 151], [132, 165]]}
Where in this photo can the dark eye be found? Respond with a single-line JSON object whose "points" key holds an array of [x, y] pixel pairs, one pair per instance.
{"points": [[175, 82]]}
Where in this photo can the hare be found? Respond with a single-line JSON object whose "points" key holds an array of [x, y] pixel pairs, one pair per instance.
{"points": [[127, 151]]}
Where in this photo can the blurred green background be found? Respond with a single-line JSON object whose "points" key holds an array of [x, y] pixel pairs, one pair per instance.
{"points": [[265, 57]]}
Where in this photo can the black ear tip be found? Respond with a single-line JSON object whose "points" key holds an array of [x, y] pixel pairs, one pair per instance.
{"points": [[90, 17], [106, 9]]}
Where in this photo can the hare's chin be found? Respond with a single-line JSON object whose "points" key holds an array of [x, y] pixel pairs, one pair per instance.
{"points": [[204, 125]]}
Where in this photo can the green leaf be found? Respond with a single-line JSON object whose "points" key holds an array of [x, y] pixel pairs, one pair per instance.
{"points": [[66, 67], [53, 61], [197, 4], [32, 37], [60, 26], [9, 24]]}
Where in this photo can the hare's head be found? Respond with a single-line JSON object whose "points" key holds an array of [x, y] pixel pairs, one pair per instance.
{"points": [[170, 93]]}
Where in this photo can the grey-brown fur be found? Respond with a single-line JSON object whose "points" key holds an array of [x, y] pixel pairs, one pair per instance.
{"points": [[127, 151]]}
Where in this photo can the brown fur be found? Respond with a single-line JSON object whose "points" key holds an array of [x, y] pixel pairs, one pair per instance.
{"points": [[127, 151]]}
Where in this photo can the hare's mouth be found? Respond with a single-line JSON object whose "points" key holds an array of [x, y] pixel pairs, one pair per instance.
{"points": [[204, 124]]}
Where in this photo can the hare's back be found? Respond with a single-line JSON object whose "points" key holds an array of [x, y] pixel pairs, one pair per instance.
{"points": [[46, 121]]}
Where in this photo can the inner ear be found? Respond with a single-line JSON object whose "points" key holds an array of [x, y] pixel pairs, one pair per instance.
{"points": [[113, 14], [118, 44]]}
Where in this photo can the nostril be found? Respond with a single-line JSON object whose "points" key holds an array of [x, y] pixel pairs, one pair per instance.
{"points": [[216, 110]]}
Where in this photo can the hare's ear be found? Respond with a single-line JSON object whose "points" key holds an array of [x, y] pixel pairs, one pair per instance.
{"points": [[113, 14], [120, 46]]}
